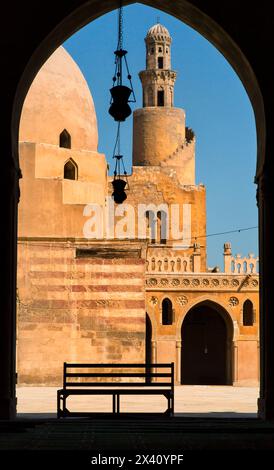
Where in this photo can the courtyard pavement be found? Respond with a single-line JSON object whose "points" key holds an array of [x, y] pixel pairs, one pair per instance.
{"points": [[190, 401]]}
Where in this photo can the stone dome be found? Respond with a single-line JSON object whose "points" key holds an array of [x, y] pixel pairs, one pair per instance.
{"points": [[158, 32], [59, 98]]}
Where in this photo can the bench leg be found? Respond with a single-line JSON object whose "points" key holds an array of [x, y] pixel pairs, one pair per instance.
{"points": [[118, 403], [58, 405], [172, 405]]}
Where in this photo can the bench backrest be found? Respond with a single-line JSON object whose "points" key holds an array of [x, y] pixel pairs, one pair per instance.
{"points": [[79, 375]]}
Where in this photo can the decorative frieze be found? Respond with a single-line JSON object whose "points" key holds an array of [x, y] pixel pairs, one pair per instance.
{"points": [[204, 282]]}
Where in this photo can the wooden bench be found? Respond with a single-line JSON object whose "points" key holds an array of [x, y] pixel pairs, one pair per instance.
{"points": [[77, 380]]}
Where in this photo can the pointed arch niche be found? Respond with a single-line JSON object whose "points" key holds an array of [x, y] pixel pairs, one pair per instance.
{"points": [[65, 139], [70, 170]]}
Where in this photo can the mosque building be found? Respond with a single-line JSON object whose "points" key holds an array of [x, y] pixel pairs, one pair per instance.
{"points": [[113, 297]]}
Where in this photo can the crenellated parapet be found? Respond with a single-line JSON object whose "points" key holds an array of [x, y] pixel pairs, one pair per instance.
{"points": [[169, 264], [239, 264]]}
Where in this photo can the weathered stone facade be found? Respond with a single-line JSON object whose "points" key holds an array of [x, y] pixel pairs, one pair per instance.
{"points": [[75, 303], [131, 298]]}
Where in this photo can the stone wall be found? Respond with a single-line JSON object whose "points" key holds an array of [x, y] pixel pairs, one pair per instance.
{"points": [[225, 291], [77, 304], [156, 185]]}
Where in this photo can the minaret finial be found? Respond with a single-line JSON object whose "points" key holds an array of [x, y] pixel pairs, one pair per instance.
{"points": [[158, 19], [158, 79]]}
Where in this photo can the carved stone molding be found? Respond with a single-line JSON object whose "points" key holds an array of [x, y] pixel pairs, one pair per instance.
{"points": [[182, 300], [202, 283], [153, 300], [233, 301]]}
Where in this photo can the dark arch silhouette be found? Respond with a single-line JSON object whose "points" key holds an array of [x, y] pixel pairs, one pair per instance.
{"points": [[65, 139], [248, 313], [70, 170], [226, 32], [206, 346]]}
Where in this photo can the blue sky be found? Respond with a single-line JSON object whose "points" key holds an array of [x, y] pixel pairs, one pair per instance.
{"points": [[217, 109]]}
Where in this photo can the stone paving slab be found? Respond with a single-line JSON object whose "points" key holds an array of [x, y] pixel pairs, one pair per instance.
{"points": [[215, 401]]}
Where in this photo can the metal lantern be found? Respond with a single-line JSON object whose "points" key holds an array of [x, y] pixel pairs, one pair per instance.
{"points": [[119, 194], [120, 181]]}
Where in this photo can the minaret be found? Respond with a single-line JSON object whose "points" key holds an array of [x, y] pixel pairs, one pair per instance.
{"points": [[160, 137], [158, 79]]}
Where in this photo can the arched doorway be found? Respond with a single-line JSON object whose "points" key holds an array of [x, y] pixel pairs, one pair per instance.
{"points": [[206, 346], [148, 345]]}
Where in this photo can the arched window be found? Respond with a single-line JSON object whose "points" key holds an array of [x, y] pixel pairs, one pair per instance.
{"points": [[248, 313], [167, 312], [70, 170], [160, 62], [65, 139], [160, 98], [162, 226]]}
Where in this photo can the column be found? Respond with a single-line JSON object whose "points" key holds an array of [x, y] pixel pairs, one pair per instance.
{"points": [[196, 258], [227, 257], [178, 362], [10, 176], [154, 356], [235, 363], [266, 260]]}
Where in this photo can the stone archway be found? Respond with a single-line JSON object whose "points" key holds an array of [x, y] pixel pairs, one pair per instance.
{"points": [[206, 346], [231, 37]]}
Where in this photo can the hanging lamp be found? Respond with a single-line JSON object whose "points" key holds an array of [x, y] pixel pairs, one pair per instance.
{"points": [[120, 181], [120, 94], [120, 110]]}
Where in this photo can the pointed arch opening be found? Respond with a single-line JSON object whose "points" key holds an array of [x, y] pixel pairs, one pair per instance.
{"points": [[207, 332], [160, 98], [70, 170], [201, 22], [248, 313], [167, 312], [65, 139]]}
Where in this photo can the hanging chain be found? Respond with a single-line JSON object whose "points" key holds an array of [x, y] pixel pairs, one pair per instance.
{"points": [[120, 26]]}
